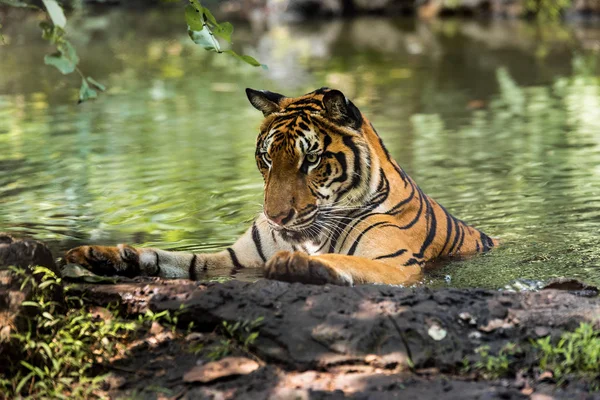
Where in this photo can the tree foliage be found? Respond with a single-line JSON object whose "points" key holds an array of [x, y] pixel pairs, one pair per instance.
{"points": [[203, 27], [203, 30]]}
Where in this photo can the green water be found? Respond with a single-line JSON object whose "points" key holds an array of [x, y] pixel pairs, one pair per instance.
{"points": [[500, 122]]}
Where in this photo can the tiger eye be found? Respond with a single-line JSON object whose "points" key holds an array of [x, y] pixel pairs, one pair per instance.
{"points": [[312, 158]]}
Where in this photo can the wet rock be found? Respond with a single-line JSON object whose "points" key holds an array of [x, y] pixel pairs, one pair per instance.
{"points": [[437, 332], [363, 342], [24, 253], [573, 286], [306, 327], [194, 336], [226, 367]]}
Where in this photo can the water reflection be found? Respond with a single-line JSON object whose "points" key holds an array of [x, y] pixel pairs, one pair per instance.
{"points": [[499, 122]]}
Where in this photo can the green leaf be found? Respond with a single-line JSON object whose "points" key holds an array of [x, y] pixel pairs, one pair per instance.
{"points": [[31, 304], [194, 18], [86, 92], [32, 368], [247, 59], [47, 349], [23, 381], [96, 84], [224, 31], [203, 27], [45, 284], [205, 39], [63, 64], [211, 18], [47, 30], [56, 13], [196, 4], [68, 51]]}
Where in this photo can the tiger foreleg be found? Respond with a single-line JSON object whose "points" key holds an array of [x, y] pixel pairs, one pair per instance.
{"points": [[251, 250], [337, 269], [125, 260]]}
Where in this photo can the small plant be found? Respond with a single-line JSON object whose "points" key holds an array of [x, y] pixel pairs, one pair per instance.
{"points": [[221, 350], [196, 348], [576, 353], [166, 318], [243, 332], [465, 368], [496, 366], [240, 335], [59, 353]]}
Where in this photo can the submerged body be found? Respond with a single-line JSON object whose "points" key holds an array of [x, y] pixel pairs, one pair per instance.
{"points": [[337, 209]]}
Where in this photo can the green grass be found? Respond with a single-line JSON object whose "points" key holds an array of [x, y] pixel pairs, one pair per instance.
{"points": [[575, 354], [496, 366], [62, 352], [239, 335]]}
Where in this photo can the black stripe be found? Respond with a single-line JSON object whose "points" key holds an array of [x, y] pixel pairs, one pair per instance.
{"points": [[395, 165], [396, 208], [382, 194], [257, 242], [192, 269], [392, 255], [234, 259], [305, 102], [431, 225], [342, 226], [328, 126], [357, 240], [448, 233], [326, 141], [461, 240], [486, 241], [291, 109], [416, 218], [412, 261], [357, 168], [341, 159], [457, 229]]}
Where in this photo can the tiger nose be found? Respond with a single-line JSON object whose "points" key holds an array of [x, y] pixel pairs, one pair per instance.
{"points": [[282, 218]]}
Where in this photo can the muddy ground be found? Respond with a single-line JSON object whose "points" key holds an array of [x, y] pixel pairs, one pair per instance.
{"points": [[276, 340], [334, 342]]}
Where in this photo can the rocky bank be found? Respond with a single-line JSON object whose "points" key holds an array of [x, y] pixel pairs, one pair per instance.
{"points": [[335, 342]]}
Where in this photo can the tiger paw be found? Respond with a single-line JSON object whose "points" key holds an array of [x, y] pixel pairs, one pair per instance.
{"points": [[121, 260], [290, 266]]}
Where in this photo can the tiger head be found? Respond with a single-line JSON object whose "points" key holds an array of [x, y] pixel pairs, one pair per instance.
{"points": [[313, 156]]}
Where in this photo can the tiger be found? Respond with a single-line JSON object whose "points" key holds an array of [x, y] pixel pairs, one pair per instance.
{"points": [[338, 209]]}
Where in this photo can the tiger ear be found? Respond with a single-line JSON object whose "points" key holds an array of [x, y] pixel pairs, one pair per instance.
{"points": [[265, 101], [341, 110]]}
